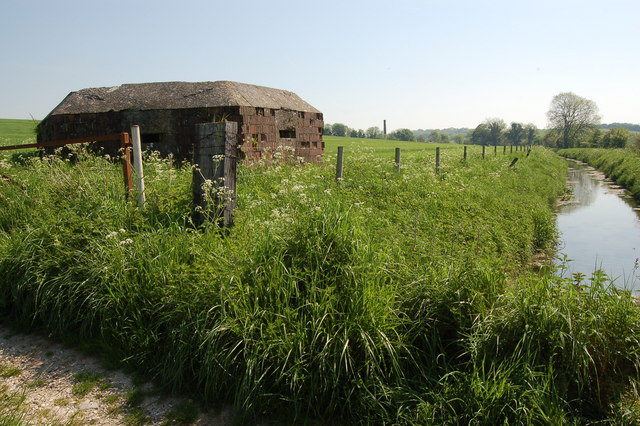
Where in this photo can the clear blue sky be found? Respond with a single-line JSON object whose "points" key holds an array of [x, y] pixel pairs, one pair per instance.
{"points": [[417, 64]]}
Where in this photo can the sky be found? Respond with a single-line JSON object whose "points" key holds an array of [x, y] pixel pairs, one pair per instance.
{"points": [[416, 64]]}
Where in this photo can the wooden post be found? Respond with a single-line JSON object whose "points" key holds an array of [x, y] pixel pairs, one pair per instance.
{"points": [[511, 149], [339, 163], [214, 177], [504, 150], [137, 164], [125, 144], [464, 157], [483, 150], [438, 160], [398, 160]]}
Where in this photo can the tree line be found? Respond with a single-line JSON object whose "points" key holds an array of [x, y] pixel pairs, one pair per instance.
{"points": [[494, 131], [339, 129], [573, 121], [436, 136]]}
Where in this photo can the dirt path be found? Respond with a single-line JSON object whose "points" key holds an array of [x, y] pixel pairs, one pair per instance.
{"points": [[62, 386]]}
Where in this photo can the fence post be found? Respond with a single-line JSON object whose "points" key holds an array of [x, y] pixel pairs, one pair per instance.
{"points": [[495, 150], [339, 163], [483, 150], [125, 144], [511, 149], [504, 150], [398, 160], [137, 164], [214, 178], [465, 153], [438, 160]]}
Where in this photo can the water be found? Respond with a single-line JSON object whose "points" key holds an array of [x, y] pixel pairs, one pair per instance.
{"points": [[600, 229]]}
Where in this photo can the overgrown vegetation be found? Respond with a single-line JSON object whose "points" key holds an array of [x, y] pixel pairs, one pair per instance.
{"points": [[397, 298], [621, 165]]}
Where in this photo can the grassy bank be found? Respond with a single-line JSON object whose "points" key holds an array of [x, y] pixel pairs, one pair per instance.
{"points": [[401, 298], [621, 165]]}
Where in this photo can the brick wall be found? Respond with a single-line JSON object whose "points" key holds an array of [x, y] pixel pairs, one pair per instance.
{"points": [[262, 131]]}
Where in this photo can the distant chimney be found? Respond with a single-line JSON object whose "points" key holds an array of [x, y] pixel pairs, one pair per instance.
{"points": [[384, 126]]}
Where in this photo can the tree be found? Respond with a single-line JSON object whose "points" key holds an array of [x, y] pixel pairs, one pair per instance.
{"points": [[616, 138], [434, 136], [515, 134], [595, 139], [374, 133], [570, 117], [437, 136], [495, 126], [531, 134], [327, 130], [339, 129], [458, 138], [480, 135], [636, 143], [403, 135], [421, 138], [550, 139]]}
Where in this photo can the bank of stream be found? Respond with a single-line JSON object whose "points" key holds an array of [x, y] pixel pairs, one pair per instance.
{"points": [[599, 229]]}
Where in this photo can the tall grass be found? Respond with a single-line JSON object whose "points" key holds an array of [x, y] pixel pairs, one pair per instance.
{"points": [[11, 408], [384, 298]]}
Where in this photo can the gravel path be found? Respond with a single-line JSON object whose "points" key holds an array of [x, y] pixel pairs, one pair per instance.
{"points": [[63, 386]]}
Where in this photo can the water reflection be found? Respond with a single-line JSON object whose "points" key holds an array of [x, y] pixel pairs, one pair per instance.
{"points": [[599, 229], [584, 188]]}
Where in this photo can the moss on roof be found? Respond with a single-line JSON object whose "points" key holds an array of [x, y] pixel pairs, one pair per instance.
{"points": [[178, 95]]}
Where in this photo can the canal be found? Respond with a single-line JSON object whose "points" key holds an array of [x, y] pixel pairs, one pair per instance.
{"points": [[599, 229]]}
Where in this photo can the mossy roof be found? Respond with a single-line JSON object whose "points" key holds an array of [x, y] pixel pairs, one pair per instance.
{"points": [[178, 95]]}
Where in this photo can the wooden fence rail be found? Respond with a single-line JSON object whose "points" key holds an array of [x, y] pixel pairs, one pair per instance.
{"points": [[122, 138]]}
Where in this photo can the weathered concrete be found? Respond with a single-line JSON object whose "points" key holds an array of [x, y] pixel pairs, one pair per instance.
{"points": [[268, 119], [214, 177]]}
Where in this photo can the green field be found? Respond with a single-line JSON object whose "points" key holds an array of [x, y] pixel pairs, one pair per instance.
{"points": [[403, 298], [14, 132], [383, 147]]}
